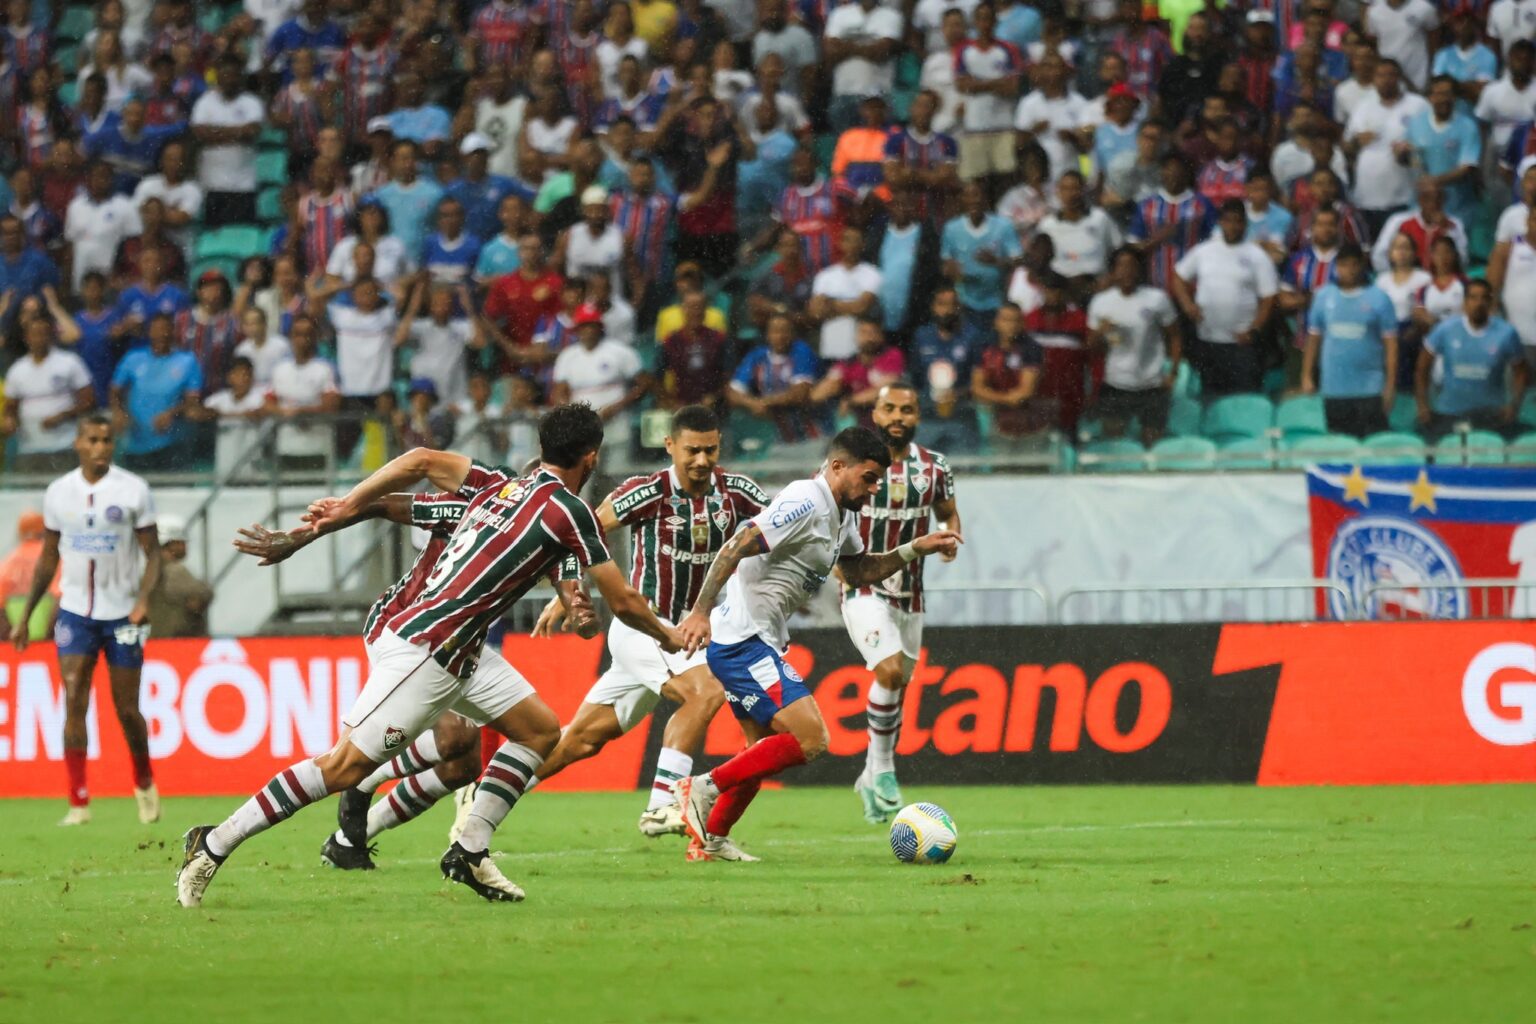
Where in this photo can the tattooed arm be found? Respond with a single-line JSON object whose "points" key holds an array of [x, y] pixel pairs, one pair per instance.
{"points": [[747, 543]]}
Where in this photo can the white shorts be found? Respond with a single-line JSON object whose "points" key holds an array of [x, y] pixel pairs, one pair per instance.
{"points": [[407, 690], [879, 631], [637, 671]]}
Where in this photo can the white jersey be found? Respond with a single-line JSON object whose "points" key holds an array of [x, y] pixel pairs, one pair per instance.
{"points": [[806, 533], [102, 564]]}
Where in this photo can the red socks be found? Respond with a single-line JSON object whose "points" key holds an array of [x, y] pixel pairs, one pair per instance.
{"points": [[74, 764], [143, 775], [731, 806], [757, 762]]}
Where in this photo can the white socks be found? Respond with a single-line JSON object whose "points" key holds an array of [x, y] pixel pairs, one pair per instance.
{"points": [[884, 711], [417, 757], [503, 784], [290, 790], [409, 800], [671, 766]]}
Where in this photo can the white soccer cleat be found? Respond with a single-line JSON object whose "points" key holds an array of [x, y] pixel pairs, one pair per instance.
{"points": [[723, 848], [463, 800], [148, 801], [480, 874], [76, 816], [696, 797], [662, 821], [198, 867]]}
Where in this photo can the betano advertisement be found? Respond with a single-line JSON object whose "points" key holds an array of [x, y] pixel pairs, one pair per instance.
{"points": [[1308, 704]]}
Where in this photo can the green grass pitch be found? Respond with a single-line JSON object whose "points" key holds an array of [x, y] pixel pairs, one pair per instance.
{"points": [[1062, 904]]}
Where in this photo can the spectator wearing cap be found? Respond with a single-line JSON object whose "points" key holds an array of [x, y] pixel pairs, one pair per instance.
{"points": [[445, 339], [449, 254], [478, 190], [155, 393], [558, 201], [517, 302], [593, 245], [1226, 286], [1377, 134], [236, 410], [45, 391], [226, 121], [178, 606], [97, 222], [693, 362], [1115, 135], [860, 43], [425, 422], [372, 174], [16, 581], [1258, 62], [410, 200], [600, 372], [988, 75], [182, 196]]}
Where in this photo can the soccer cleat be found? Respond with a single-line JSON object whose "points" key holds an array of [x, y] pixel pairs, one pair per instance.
{"points": [[148, 801], [696, 797], [662, 821], [874, 812], [198, 866], [352, 817], [480, 873], [695, 851], [463, 800], [887, 792], [723, 848], [76, 816], [346, 858]]}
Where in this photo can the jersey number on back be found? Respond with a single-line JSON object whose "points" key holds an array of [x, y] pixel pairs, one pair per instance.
{"points": [[462, 542]]}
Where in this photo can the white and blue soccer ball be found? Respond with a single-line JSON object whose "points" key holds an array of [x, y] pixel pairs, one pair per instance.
{"points": [[923, 834]]}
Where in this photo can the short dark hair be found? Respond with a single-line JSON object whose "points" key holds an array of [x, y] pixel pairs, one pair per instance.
{"points": [[1350, 251], [700, 419], [859, 444], [242, 363], [1478, 282], [569, 433], [94, 419], [1236, 206]]}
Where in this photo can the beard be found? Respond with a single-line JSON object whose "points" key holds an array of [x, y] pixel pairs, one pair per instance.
{"points": [[896, 434]]}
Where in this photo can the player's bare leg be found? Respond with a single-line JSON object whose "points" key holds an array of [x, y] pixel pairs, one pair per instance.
{"points": [[532, 731], [75, 672], [125, 699], [876, 785]]}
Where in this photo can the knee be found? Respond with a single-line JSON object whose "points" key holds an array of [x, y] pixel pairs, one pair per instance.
{"points": [[456, 738], [892, 673], [813, 744], [582, 743], [707, 695], [459, 771], [543, 739], [344, 767]]}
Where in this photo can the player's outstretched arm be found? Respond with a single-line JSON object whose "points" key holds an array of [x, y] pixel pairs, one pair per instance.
{"points": [[274, 546], [444, 470], [866, 569], [747, 542], [42, 575], [634, 610]]}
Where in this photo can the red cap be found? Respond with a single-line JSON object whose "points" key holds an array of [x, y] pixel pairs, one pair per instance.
{"points": [[586, 314], [212, 277], [1122, 91]]}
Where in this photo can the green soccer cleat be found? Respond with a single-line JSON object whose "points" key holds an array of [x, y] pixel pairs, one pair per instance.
{"points": [[874, 812], [888, 793]]}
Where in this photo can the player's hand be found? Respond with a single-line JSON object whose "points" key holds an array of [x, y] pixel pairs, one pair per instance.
{"points": [[272, 546], [940, 542], [676, 643], [949, 556], [324, 515], [139, 614], [21, 637], [693, 633], [551, 618]]}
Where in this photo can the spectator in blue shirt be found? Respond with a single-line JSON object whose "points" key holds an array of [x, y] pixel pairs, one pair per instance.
{"points": [[500, 255], [130, 146], [1468, 59], [1449, 147], [1017, 23], [152, 296], [309, 31], [100, 344], [449, 253], [409, 200], [1462, 371], [1352, 332], [415, 120], [24, 269], [978, 249], [479, 191], [773, 382], [154, 395], [944, 351]]}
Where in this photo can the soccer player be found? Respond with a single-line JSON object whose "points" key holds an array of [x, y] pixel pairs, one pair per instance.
{"points": [[100, 520], [681, 517], [785, 553], [885, 621], [514, 532]]}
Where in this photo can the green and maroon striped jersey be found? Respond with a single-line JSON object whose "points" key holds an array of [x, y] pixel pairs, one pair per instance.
{"points": [[900, 512], [509, 537]]}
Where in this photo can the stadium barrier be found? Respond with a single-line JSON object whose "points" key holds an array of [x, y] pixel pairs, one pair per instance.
{"points": [[1276, 704]]}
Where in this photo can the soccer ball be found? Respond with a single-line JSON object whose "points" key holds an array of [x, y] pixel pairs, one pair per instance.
{"points": [[923, 834]]}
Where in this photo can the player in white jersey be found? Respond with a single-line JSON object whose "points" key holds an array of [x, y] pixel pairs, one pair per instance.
{"points": [[778, 559], [100, 521], [885, 622]]}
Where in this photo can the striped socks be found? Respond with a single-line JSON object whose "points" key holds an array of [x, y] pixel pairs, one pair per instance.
{"points": [[503, 784], [671, 766], [290, 790], [884, 712], [409, 800], [417, 757]]}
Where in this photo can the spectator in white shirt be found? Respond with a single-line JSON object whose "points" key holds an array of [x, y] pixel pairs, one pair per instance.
{"points": [[1504, 104], [1401, 29], [1377, 134], [96, 222], [45, 390], [988, 72], [237, 409], [266, 351], [443, 338], [863, 38], [938, 72], [600, 372], [305, 386], [365, 354], [791, 42], [1510, 21], [1360, 83], [841, 293], [1226, 286], [181, 196], [226, 122], [1138, 329], [1053, 115]]}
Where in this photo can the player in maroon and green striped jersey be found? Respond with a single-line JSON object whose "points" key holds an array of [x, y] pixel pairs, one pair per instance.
{"points": [[509, 538], [885, 620], [681, 517]]}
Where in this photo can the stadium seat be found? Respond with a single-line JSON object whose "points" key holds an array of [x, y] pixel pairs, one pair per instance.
{"points": [[235, 242], [824, 146], [1522, 450], [1527, 415], [1121, 455], [69, 92], [751, 437], [1186, 381], [1479, 448], [1391, 448], [1237, 416], [272, 167], [1404, 416], [1184, 417], [67, 58], [269, 205], [1246, 453], [272, 137], [1184, 454], [1301, 416], [227, 266], [1303, 451], [75, 23]]}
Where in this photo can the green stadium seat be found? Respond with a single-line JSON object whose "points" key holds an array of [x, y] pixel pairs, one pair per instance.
{"points": [[1246, 453], [1404, 416], [750, 436], [824, 146], [269, 205], [1527, 415], [69, 92], [67, 58], [1120, 455], [1303, 451], [1481, 448], [272, 137], [1522, 450], [1391, 448], [909, 70], [234, 242], [229, 267], [75, 23], [1184, 416], [1186, 381], [1237, 416], [1188, 454], [1301, 416], [272, 167]]}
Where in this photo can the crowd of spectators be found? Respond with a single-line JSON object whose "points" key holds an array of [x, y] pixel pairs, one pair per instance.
{"points": [[442, 216]]}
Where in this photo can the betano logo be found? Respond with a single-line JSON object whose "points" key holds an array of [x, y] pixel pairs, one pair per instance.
{"points": [[1482, 707]]}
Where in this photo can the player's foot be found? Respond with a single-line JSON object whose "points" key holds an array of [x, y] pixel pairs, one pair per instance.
{"points": [[463, 800], [696, 797], [76, 816], [346, 858], [695, 851], [148, 801], [721, 848], [480, 873], [352, 817], [874, 812], [198, 866], [662, 821], [887, 792]]}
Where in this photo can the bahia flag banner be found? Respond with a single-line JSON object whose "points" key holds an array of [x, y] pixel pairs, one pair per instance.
{"points": [[1410, 542]]}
